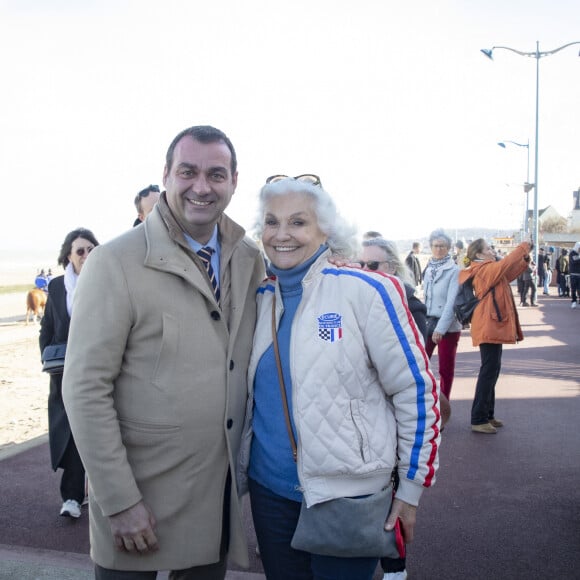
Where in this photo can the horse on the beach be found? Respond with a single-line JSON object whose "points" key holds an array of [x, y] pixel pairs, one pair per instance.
{"points": [[35, 303]]}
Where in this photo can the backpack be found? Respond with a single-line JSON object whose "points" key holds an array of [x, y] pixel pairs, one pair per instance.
{"points": [[466, 302]]}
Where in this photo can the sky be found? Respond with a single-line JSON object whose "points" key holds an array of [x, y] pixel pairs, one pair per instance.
{"points": [[391, 103]]}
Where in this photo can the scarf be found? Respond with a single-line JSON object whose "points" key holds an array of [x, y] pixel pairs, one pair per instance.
{"points": [[435, 264], [70, 284]]}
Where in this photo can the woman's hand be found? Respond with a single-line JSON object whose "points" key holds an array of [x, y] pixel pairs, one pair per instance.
{"points": [[407, 513], [436, 337]]}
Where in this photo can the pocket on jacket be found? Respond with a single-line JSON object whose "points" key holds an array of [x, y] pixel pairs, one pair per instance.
{"points": [[363, 439], [139, 433]]}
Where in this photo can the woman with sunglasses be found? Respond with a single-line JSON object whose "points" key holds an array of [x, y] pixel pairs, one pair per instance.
{"points": [[338, 348], [440, 289], [382, 255], [54, 327]]}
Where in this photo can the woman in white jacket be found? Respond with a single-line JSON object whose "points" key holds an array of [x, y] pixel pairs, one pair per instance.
{"points": [[440, 286], [360, 395]]}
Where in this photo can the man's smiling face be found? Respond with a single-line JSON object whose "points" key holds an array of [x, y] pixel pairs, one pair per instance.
{"points": [[199, 185]]}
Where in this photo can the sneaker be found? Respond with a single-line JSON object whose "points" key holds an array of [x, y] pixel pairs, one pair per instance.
{"points": [[71, 509], [496, 422], [485, 428], [395, 575], [573, 305]]}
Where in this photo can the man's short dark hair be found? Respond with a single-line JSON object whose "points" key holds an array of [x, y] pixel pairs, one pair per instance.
{"points": [[204, 134], [144, 193]]}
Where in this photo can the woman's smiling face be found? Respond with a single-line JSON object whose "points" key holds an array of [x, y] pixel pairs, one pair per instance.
{"points": [[291, 234]]}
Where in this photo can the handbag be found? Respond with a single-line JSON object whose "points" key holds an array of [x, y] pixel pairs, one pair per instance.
{"points": [[346, 527], [53, 358], [349, 527], [431, 323]]}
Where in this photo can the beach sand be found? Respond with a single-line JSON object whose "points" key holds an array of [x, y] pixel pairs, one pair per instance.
{"points": [[23, 385]]}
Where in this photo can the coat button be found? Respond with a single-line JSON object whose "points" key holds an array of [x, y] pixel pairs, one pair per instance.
{"points": [[231, 365], [215, 315], [230, 423]]}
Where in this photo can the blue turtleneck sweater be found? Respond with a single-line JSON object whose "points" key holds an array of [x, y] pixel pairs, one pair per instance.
{"points": [[271, 461]]}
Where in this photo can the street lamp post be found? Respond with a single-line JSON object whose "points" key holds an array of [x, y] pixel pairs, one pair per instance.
{"points": [[537, 55], [527, 185]]}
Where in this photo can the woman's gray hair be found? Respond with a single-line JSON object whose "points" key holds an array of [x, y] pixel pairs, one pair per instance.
{"points": [[340, 234], [440, 235], [393, 258]]}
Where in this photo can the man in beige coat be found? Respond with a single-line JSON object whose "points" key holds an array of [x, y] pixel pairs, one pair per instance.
{"points": [[155, 379]]}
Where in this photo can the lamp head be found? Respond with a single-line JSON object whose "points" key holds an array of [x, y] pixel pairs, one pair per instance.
{"points": [[488, 52], [502, 145]]}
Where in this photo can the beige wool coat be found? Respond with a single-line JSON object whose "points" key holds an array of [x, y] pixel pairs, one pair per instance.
{"points": [[155, 388]]}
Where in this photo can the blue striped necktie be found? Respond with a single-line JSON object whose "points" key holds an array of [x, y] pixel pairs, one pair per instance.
{"points": [[205, 255]]}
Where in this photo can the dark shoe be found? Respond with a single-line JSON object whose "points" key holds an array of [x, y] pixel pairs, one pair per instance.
{"points": [[487, 428], [496, 422], [535, 304], [525, 304]]}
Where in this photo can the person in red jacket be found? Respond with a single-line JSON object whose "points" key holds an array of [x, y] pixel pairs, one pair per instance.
{"points": [[495, 321]]}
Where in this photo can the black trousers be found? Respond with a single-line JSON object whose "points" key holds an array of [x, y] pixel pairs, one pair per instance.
{"points": [[483, 407], [215, 571], [531, 286], [72, 482]]}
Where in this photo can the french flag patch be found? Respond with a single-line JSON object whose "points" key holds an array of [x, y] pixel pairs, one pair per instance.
{"points": [[330, 327]]}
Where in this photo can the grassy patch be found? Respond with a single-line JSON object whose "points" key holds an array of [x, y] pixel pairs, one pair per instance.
{"points": [[15, 288]]}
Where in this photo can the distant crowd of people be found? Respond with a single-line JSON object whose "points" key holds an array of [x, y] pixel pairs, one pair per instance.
{"points": [[198, 379]]}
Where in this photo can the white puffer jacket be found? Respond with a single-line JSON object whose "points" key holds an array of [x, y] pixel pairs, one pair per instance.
{"points": [[362, 392]]}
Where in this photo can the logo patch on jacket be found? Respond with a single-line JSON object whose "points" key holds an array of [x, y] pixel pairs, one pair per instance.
{"points": [[330, 327]]}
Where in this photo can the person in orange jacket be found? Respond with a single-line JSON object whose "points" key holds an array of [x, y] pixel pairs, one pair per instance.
{"points": [[494, 323]]}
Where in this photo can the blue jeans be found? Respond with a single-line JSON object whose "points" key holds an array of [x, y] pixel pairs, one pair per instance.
{"points": [[275, 520]]}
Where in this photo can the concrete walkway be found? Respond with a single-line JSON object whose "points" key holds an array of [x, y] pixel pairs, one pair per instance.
{"points": [[505, 506]]}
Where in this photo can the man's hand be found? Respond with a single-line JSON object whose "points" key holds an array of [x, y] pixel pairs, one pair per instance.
{"points": [[341, 261], [407, 514], [133, 529]]}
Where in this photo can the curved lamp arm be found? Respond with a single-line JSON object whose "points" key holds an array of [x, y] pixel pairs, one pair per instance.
{"points": [[537, 54]]}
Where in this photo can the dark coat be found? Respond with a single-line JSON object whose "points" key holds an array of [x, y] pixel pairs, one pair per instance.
{"points": [[54, 330], [415, 266], [418, 310]]}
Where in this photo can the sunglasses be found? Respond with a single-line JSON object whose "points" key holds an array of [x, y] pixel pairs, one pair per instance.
{"points": [[145, 192], [81, 251], [305, 177], [372, 264]]}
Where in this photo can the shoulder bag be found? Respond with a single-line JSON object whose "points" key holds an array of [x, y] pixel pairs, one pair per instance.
{"points": [[53, 358], [346, 527]]}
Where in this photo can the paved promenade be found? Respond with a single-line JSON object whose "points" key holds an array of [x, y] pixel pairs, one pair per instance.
{"points": [[505, 506]]}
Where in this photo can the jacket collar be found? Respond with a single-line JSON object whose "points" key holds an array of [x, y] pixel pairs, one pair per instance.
{"points": [[168, 251], [167, 248]]}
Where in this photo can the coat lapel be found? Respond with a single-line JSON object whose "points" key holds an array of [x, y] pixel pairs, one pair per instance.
{"points": [[165, 255]]}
